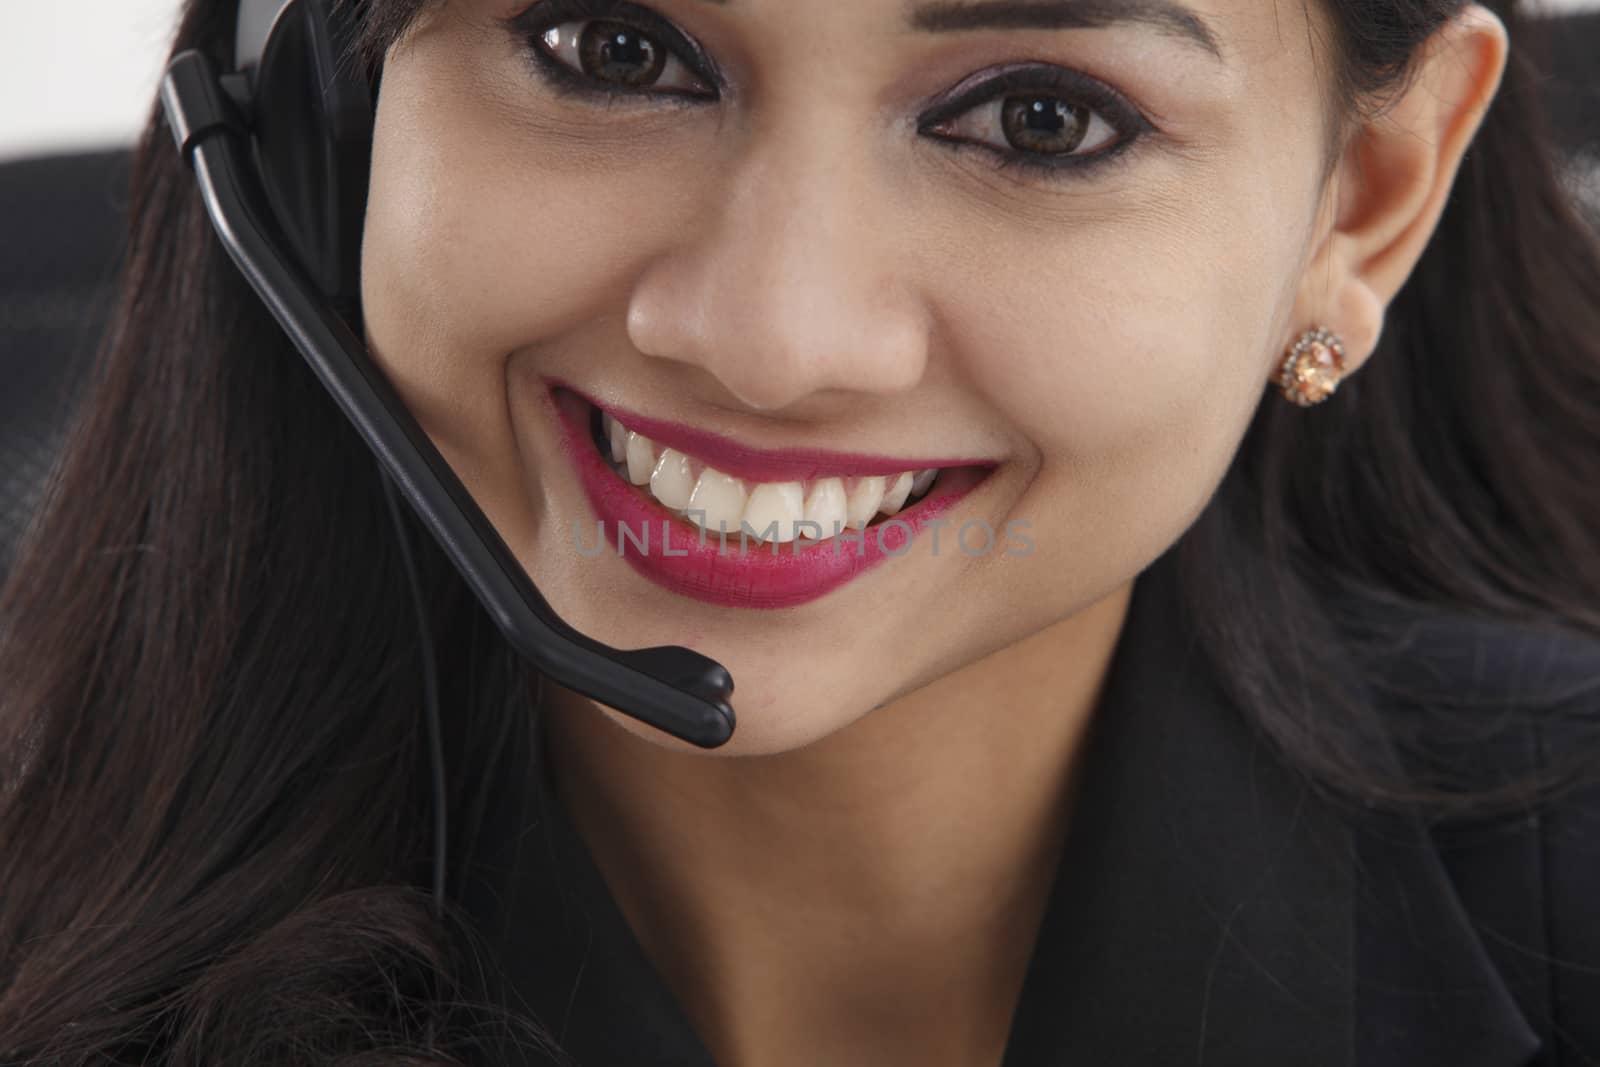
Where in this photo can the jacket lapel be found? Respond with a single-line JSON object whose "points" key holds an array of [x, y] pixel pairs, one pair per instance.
{"points": [[1430, 992], [1211, 908]]}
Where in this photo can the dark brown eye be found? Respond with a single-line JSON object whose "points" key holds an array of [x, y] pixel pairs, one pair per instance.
{"points": [[1044, 123], [1050, 121], [613, 51], [609, 55], [1041, 124]]}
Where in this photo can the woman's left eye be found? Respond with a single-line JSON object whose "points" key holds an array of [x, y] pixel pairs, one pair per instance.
{"points": [[1040, 119], [1036, 118]]}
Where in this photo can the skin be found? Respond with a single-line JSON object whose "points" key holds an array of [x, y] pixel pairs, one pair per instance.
{"points": [[795, 265]]}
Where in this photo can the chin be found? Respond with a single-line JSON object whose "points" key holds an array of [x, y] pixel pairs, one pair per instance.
{"points": [[776, 712], [779, 699]]}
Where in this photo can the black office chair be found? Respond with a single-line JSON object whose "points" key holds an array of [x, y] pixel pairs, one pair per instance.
{"points": [[62, 220]]}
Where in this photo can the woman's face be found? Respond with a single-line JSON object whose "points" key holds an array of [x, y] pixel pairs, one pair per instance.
{"points": [[795, 256]]}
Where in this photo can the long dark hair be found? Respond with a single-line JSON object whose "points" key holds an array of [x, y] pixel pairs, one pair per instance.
{"points": [[215, 822]]}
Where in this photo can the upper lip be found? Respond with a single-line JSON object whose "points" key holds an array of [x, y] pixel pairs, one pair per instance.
{"points": [[767, 464]]}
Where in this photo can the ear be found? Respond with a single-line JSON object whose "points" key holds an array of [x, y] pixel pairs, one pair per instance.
{"points": [[1388, 190]]}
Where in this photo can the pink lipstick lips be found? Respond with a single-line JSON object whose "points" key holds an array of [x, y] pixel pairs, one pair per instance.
{"points": [[673, 552]]}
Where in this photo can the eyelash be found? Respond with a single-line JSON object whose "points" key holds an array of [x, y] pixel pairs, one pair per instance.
{"points": [[529, 26]]}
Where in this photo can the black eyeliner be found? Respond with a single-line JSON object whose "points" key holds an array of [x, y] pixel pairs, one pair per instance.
{"points": [[529, 26], [1034, 77], [1076, 166], [1103, 100]]}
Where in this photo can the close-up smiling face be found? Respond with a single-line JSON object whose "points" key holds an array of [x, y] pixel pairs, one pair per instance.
{"points": [[1040, 522], [802, 247]]}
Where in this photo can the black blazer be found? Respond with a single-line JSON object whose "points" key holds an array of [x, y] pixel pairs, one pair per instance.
{"points": [[1209, 908]]}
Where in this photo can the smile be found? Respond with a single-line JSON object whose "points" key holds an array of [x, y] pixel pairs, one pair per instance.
{"points": [[748, 527], [769, 510]]}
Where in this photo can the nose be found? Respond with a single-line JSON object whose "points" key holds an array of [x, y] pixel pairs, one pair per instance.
{"points": [[793, 284]]}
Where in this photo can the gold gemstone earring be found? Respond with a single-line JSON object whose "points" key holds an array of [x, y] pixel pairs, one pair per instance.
{"points": [[1311, 367]]}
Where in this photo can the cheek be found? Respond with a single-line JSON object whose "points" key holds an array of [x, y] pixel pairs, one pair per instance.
{"points": [[1129, 352], [492, 221], [477, 243]]}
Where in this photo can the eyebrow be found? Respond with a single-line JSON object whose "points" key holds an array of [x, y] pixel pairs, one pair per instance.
{"points": [[1174, 18], [953, 16]]}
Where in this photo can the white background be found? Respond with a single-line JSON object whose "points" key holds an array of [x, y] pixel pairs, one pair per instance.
{"points": [[83, 73]]}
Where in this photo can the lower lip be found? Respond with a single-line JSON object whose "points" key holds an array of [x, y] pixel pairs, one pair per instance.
{"points": [[694, 563]]}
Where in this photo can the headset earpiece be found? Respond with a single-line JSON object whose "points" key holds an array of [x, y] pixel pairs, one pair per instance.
{"points": [[311, 111]]}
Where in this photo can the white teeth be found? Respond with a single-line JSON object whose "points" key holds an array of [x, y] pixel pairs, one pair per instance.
{"points": [[827, 506], [672, 481], [862, 502], [894, 497], [721, 498], [618, 438], [774, 503], [720, 501], [641, 458]]}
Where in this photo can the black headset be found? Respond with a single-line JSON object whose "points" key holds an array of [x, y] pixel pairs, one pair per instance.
{"points": [[280, 146]]}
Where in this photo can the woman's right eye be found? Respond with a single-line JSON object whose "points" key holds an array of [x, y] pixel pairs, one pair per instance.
{"points": [[610, 57]]}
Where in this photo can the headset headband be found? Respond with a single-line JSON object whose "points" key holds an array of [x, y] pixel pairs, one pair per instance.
{"points": [[256, 19]]}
